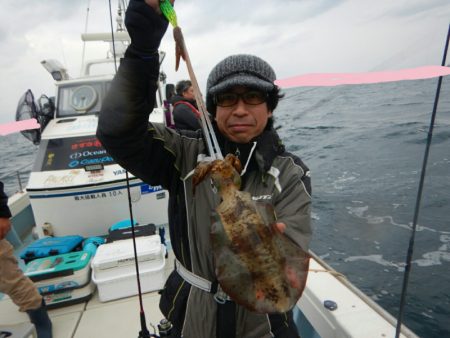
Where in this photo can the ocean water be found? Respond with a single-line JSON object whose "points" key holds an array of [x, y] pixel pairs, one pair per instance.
{"points": [[365, 146], [16, 159]]}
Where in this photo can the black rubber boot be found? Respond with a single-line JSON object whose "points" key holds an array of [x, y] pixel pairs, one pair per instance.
{"points": [[41, 321]]}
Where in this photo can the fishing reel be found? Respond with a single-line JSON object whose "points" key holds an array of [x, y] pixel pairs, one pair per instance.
{"points": [[164, 330]]}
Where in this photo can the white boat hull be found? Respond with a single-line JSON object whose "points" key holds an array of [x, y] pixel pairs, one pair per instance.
{"points": [[90, 210]]}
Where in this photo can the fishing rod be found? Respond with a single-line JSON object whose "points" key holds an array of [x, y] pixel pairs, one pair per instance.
{"points": [[144, 333], [181, 51], [419, 196]]}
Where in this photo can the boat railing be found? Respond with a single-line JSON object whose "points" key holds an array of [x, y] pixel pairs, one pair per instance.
{"points": [[364, 297], [18, 172], [118, 44]]}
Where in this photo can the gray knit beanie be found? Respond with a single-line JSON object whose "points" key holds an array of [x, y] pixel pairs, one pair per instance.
{"points": [[241, 69]]}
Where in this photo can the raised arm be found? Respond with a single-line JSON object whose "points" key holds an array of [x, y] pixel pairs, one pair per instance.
{"points": [[123, 126]]}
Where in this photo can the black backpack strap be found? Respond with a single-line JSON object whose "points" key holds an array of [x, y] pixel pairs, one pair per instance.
{"points": [[226, 320], [226, 313], [283, 325], [226, 308]]}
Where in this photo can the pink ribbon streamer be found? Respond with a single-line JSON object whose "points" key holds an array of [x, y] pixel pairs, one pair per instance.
{"points": [[335, 79], [14, 127], [315, 79]]}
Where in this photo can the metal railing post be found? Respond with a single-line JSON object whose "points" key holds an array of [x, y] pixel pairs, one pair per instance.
{"points": [[19, 180]]}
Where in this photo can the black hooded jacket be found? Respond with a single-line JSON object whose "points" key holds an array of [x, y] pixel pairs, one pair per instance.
{"points": [[183, 115]]}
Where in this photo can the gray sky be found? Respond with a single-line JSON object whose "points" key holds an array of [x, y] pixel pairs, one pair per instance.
{"points": [[294, 36]]}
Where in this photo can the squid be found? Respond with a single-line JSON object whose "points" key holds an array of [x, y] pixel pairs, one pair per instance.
{"points": [[257, 265]]}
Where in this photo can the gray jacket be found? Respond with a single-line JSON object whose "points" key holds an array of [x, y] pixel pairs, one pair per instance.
{"points": [[161, 156]]}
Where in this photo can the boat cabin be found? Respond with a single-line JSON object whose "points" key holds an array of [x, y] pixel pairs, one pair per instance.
{"points": [[75, 187]]}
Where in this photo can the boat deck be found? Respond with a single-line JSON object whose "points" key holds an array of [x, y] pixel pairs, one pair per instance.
{"points": [[356, 315], [94, 319]]}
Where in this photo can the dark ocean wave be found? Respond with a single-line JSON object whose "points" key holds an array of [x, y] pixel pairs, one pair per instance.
{"points": [[321, 128], [365, 146], [437, 138], [402, 133]]}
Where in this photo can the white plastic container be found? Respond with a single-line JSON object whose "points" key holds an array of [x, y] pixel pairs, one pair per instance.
{"points": [[114, 271]]}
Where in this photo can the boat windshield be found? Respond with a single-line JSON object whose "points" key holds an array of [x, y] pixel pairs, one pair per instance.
{"points": [[71, 153], [81, 98]]}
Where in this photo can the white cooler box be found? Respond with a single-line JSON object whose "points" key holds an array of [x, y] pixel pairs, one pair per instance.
{"points": [[114, 271]]}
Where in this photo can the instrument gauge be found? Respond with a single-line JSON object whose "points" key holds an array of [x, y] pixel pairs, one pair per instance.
{"points": [[83, 98]]}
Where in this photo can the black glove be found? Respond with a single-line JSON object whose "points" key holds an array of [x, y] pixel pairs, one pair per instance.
{"points": [[146, 29]]}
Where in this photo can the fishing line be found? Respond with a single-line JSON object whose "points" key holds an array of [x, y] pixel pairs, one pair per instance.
{"points": [[144, 333], [419, 196], [207, 128]]}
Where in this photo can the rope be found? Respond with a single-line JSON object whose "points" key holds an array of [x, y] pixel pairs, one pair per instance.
{"points": [[331, 272]]}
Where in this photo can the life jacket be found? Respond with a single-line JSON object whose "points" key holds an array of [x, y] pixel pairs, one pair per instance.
{"points": [[191, 106]]}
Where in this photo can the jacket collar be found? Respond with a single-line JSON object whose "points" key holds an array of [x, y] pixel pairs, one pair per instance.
{"points": [[261, 156], [178, 98]]}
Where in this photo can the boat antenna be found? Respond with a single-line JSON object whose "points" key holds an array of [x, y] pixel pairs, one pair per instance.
{"points": [[112, 34], [85, 31], [419, 197], [144, 333]]}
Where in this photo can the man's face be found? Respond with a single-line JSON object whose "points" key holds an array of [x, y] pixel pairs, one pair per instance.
{"points": [[189, 93], [242, 122]]}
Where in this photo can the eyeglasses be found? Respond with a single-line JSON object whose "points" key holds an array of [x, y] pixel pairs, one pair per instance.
{"points": [[252, 97]]}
